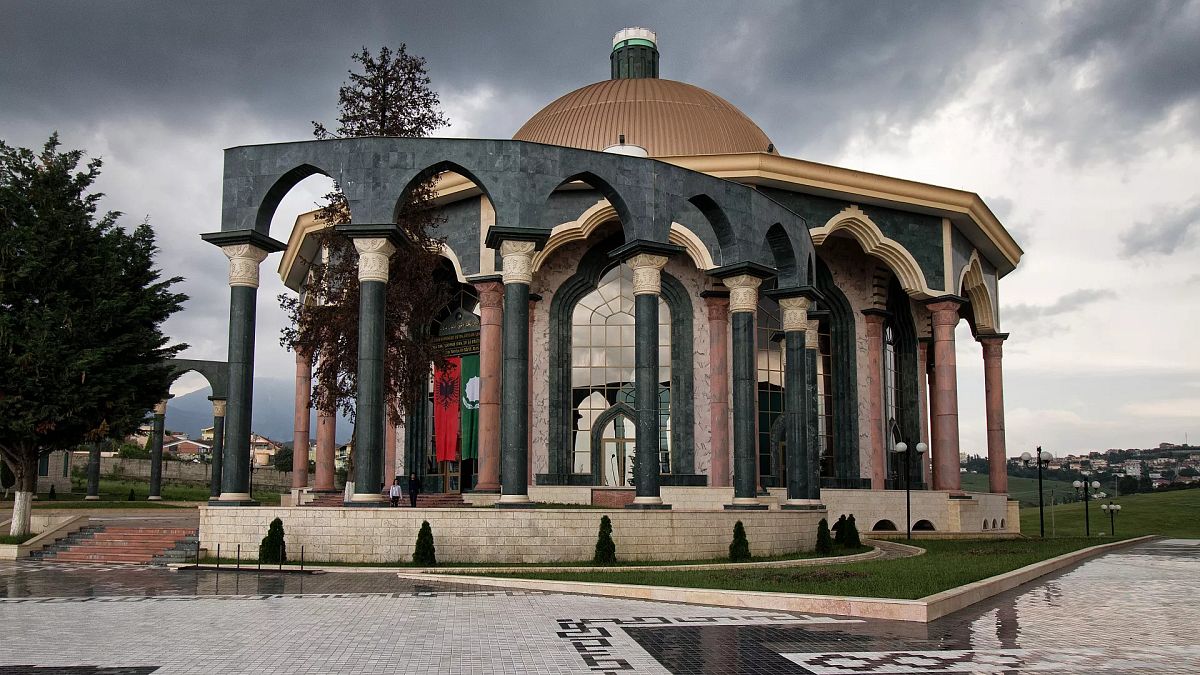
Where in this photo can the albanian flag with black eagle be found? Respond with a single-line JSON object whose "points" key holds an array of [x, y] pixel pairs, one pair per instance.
{"points": [[447, 389]]}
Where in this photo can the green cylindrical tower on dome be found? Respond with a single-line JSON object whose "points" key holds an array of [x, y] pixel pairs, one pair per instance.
{"points": [[634, 54]]}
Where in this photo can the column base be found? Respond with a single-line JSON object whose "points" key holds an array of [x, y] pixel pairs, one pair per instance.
{"points": [[154, 498], [746, 504], [486, 489], [515, 502], [92, 498], [367, 499], [233, 499], [802, 505], [648, 504]]}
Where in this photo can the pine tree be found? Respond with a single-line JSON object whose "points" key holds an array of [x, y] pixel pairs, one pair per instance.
{"points": [[425, 554], [82, 353], [606, 548], [839, 531], [739, 548], [824, 541], [392, 96], [851, 539], [273, 549]]}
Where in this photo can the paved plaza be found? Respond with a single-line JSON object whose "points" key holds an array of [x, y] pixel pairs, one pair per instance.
{"points": [[1125, 612]]}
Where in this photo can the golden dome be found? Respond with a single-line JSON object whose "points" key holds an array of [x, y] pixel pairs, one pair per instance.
{"points": [[665, 117]]}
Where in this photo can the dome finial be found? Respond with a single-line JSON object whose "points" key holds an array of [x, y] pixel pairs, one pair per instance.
{"points": [[634, 54]]}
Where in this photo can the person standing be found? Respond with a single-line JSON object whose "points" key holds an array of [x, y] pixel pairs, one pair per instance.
{"points": [[414, 488], [394, 491]]}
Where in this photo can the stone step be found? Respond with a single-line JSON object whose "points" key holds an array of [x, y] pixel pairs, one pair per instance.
{"points": [[125, 544]]}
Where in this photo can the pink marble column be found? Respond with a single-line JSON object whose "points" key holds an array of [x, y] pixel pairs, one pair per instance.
{"points": [[875, 440], [491, 301], [945, 396], [993, 385], [929, 379], [325, 480], [923, 403], [300, 424], [533, 300], [389, 448], [718, 387]]}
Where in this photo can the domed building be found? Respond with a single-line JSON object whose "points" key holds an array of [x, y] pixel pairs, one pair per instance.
{"points": [[792, 321]]}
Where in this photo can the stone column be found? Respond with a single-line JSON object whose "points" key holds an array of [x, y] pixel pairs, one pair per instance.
{"points": [[875, 319], [811, 354], [300, 424], [647, 285], [156, 451], [514, 413], [218, 447], [93, 473], [923, 402], [718, 387], [374, 253], [743, 302], [244, 260], [491, 299], [796, 399], [993, 384], [945, 394], [326, 474], [389, 449], [533, 301]]}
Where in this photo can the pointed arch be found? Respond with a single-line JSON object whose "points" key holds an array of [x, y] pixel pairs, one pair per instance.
{"points": [[602, 212], [859, 225], [779, 245], [719, 222], [278, 190], [432, 170], [972, 285]]}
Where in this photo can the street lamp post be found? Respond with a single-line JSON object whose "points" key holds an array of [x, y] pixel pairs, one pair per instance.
{"points": [[1113, 510], [1095, 485], [1042, 457], [902, 449]]}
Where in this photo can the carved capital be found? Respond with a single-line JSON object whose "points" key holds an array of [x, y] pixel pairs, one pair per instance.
{"points": [[518, 261], [647, 277], [373, 256], [810, 334], [243, 264], [743, 292], [160, 408], [491, 295], [218, 408], [795, 313]]}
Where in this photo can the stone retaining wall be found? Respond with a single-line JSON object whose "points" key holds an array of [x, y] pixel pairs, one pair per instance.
{"points": [[375, 535]]}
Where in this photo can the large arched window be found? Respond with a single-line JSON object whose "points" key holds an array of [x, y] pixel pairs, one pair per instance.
{"points": [[603, 359], [769, 355]]}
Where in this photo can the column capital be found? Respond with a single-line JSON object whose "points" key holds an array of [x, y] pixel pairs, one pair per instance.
{"points": [[991, 338], [518, 261], [943, 310], [795, 313], [218, 407], [244, 260], [374, 255], [160, 408], [717, 303], [743, 292], [647, 273], [491, 294], [811, 334]]}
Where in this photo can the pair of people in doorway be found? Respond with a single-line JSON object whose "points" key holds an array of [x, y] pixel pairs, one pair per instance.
{"points": [[414, 489]]}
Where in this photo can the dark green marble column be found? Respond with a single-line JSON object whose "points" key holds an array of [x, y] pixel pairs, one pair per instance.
{"points": [[745, 489], [795, 405], [218, 447], [646, 461], [156, 451], [514, 397], [93, 472], [813, 445], [369, 406], [235, 464]]}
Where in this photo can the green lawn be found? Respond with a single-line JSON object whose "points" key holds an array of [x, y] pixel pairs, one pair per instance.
{"points": [[1023, 489], [1174, 514], [945, 565], [114, 493]]}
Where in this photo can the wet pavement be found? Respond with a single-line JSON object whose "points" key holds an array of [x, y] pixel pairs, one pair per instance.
{"points": [[1127, 612]]}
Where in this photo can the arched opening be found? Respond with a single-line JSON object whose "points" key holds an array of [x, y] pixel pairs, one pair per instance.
{"points": [[985, 523], [922, 526], [1003, 525], [625, 219], [282, 191], [993, 523], [884, 526], [837, 377], [779, 245], [719, 222], [769, 364]]}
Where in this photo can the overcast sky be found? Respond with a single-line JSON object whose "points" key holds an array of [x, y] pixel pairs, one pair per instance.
{"points": [[1077, 122]]}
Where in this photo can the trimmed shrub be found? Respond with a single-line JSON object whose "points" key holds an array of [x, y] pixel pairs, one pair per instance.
{"points": [[839, 531], [852, 540], [425, 554], [53, 494], [606, 549], [272, 549], [739, 548], [131, 497], [824, 541]]}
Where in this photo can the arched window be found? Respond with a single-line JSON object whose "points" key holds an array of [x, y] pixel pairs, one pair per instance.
{"points": [[826, 434], [603, 360], [769, 356]]}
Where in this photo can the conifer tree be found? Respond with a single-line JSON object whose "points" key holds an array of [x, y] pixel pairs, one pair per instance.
{"points": [[425, 553], [606, 548], [272, 549], [82, 353], [739, 548], [824, 541]]}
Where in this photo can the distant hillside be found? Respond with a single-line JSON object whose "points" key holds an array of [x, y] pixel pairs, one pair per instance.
{"points": [[1022, 489], [273, 412]]}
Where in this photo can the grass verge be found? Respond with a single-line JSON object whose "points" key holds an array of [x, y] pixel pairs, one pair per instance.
{"points": [[114, 494], [1172, 514], [15, 538], [946, 564]]}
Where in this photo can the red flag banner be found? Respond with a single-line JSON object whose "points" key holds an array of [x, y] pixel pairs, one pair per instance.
{"points": [[446, 391]]}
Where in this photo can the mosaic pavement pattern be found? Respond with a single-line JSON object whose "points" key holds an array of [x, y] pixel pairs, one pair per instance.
{"points": [[1126, 612]]}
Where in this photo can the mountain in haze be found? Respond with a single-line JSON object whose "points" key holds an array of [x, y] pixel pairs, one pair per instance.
{"points": [[273, 412]]}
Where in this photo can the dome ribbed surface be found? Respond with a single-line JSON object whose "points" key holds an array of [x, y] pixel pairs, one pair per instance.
{"points": [[663, 116]]}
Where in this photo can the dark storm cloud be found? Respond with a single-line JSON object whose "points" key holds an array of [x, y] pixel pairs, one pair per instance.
{"points": [[1174, 230], [1071, 302]]}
